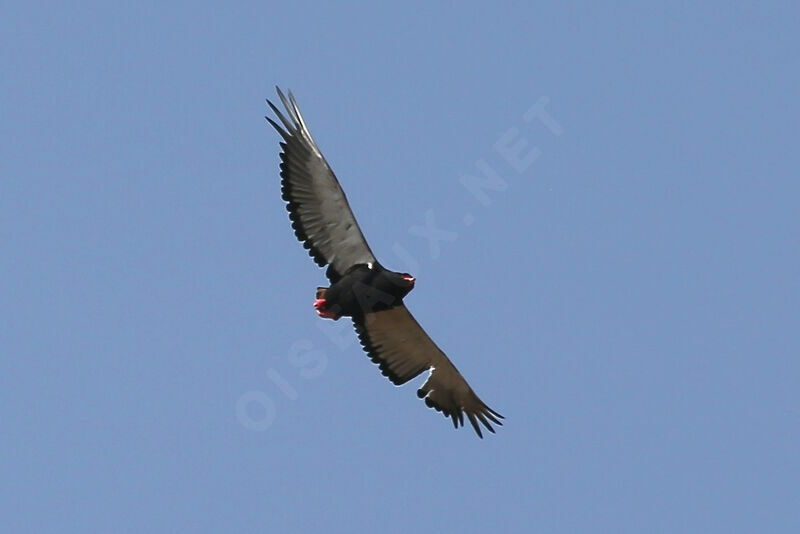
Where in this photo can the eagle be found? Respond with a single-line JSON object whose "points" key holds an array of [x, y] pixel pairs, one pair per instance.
{"points": [[360, 287]]}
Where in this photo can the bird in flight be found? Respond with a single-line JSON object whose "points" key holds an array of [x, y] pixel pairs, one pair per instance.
{"points": [[360, 287]]}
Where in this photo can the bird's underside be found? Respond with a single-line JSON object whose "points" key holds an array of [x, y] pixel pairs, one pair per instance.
{"points": [[361, 288]]}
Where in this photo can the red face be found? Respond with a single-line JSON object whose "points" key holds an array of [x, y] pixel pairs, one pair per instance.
{"points": [[409, 280]]}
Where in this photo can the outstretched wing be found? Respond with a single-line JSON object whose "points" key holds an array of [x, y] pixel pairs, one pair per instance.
{"points": [[401, 348], [321, 217]]}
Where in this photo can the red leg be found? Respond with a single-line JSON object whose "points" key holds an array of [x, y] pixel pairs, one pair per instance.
{"points": [[321, 306]]}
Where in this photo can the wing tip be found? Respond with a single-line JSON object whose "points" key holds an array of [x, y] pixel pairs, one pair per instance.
{"points": [[479, 419]]}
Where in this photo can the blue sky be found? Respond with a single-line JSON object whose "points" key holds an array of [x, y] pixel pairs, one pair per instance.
{"points": [[626, 293]]}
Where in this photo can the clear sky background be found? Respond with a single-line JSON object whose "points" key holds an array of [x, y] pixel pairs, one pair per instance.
{"points": [[626, 294]]}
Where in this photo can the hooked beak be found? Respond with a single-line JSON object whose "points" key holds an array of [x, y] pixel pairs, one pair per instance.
{"points": [[410, 280]]}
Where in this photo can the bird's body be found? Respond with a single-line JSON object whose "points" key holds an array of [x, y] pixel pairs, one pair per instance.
{"points": [[360, 287], [362, 290]]}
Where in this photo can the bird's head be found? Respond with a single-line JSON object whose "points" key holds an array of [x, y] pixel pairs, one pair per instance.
{"points": [[404, 283]]}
